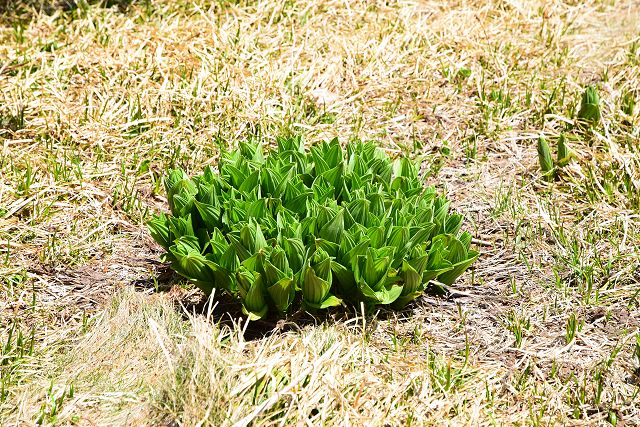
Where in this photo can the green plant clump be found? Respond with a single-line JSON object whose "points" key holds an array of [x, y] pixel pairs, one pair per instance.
{"points": [[313, 229]]}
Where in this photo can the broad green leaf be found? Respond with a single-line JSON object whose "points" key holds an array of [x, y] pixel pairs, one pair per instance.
{"points": [[298, 204], [208, 176], [544, 158], [329, 247], [440, 213], [334, 178], [320, 164], [360, 249], [250, 183], [229, 259], [258, 210], [290, 144], [450, 276], [254, 303], [180, 226], [376, 236], [182, 204], [334, 229], [329, 301], [457, 252], [308, 227], [217, 245], [419, 263], [190, 263], [272, 182], [236, 175], [240, 250], [376, 206], [419, 235], [425, 215], [295, 250], [431, 273], [323, 214], [404, 168], [314, 288], [279, 259], [172, 179], [282, 293], [398, 236], [321, 263], [347, 242], [385, 295], [251, 236], [333, 153], [453, 224], [411, 279], [359, 210], [159, 230], [210, 214], [344, 276], [465, 239], [374, 267], [272, 273], [322, 190], [245, 279], [251, 151]]}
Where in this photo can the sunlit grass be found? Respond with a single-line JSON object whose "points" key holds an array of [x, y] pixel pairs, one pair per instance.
{"points": [[96, 102]]}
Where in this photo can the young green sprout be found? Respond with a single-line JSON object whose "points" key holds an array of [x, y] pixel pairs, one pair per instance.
{"points": [[590, 107], [545, 160]]}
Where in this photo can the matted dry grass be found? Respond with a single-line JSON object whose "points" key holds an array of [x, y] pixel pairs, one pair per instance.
{"points": [[97, 102]]}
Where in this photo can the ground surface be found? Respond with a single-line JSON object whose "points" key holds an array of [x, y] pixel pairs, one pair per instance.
{"points": [[96, 102]]}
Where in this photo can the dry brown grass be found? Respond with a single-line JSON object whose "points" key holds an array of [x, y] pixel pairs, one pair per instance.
{"points": [[96, 103]]}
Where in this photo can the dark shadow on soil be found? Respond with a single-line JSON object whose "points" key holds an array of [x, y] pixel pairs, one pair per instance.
{"points": [[225, 310]]}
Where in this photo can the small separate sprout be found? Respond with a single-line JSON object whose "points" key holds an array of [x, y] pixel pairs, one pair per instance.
{"points": [[544, 157], [564, 155], [590, 107], [628, 103]]}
